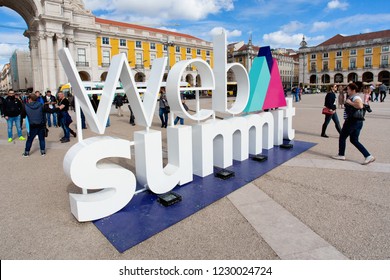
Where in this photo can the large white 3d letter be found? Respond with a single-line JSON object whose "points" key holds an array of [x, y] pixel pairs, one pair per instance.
{"points": [[289, 112], [149, 165], [173, 88], [220, 71], [81, 164]]}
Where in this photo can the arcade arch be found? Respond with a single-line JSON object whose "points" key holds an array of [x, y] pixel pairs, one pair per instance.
{"points": [[368, 77], [50, 28], [384, 77]]}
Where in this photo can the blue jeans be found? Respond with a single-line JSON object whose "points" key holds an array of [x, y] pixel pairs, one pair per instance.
{"points": [[163, 117], [65, 128], [10, 122], [351, 129], [49, 119], [34, 131], [179, 119], [335, 119]]}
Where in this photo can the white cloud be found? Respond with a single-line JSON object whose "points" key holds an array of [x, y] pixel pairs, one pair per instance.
{"points": [[336, 4], [292, 26], [320, 25], [165, 10], [229, 34], [281, 39]]}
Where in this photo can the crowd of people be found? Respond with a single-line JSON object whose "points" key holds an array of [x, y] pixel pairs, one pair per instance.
{"points": [[41, 112], [355, 109]]}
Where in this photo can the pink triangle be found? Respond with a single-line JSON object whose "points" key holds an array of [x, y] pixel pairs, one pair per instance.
{"points": [[275, 93]]}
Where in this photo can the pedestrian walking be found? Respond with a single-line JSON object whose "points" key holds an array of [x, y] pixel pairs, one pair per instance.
{"points": [[49, 107], [164, 108], [382, 92], [330, 103], [63, 117], [352, 125]]}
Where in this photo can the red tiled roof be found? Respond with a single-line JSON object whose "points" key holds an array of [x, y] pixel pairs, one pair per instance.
{"points": [[340, 39], [140, 27]]}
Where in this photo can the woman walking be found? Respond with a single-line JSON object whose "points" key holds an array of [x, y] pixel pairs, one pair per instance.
{"points": [[330, 103], [352, 126]]}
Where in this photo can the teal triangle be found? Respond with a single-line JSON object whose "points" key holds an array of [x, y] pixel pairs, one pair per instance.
{"points": [[259, 77]]}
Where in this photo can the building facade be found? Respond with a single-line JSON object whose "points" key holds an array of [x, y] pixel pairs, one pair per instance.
{"points": [[55, 24], [344, 59], [245, 53], [6, 79], [21, 71]]}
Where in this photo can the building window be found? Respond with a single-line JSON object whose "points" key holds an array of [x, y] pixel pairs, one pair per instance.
{"points": [[105, 41], [106, 58], [122, 42], [152, 46], [385, 61], [165, 48], [385, 48], [352, 63], [313, 56], [325, 66], [339, 53], [313, 67], [207, 53], [81, 57], [208, 61], [198, 52], [177, 59], [367, 62], [152, 58], [188, 50], [177, 49], [138, 61], [338, 65], [138, 44], [326, 55], [368, 51], [352, 52]]}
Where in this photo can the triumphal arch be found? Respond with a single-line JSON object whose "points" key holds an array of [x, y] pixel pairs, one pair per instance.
{"points": [[51, 26]]}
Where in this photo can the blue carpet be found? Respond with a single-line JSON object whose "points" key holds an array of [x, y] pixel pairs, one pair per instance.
{"points": [[144, 216]]}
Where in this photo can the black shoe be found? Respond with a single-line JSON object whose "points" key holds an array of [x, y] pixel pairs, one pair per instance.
{"points": [[65, 140], [43, 153], [73, 133], [324, 135], [162, 126], [26, 154]]}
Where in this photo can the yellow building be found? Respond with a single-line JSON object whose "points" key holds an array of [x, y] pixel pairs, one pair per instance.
{"points": [[342, 59], [142, 45]]}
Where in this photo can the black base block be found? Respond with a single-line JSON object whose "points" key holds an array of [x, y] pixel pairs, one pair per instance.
{"points": [[286, 146], [168, 199], [224, 174], [259, 157]]}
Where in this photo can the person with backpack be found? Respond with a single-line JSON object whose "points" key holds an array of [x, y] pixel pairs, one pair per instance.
{"points": [[12, 109], [37, 122]]}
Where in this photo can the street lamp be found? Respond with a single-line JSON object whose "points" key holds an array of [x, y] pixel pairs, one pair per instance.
{"points": [[168, 44]]}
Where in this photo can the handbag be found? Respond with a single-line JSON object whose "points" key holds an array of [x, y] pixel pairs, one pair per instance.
{"points": [[358, 115], [327, 111], [167, 109]]}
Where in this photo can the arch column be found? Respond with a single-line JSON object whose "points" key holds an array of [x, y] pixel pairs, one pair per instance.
{"points": [[51, 70], [61, 77], [36, 63]]}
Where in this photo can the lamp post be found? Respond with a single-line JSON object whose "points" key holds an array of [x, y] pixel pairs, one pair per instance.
{"points": [[168, 44]]}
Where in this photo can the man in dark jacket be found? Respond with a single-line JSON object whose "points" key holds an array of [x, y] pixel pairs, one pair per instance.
{"points": [[12, 109], [37, 120]]}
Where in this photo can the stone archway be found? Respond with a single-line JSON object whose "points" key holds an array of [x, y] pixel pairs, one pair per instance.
{"points": [[85, 76], [139, 77], [352, 77], [368, 77], [190, 80], [313, 79], [50, 28], [384, 77]]}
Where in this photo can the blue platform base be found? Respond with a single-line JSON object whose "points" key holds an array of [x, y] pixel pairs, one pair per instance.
{"points": [[144, 217]]}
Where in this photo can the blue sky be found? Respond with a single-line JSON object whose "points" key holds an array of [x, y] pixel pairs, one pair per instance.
{"points": [[277, 23]]}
